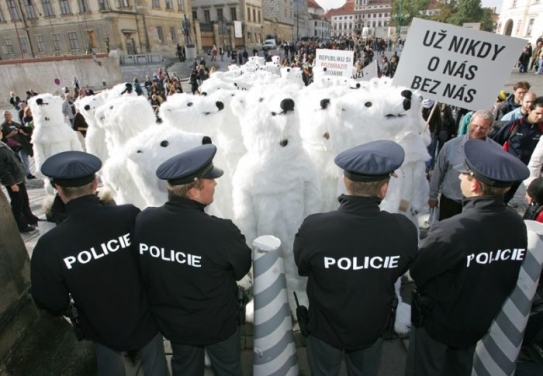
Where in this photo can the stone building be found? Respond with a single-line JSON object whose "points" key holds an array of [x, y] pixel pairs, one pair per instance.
{"points": [[73, 27], [318, 25], [216, 20], [361, 16], [521, 19], [279, 18]]}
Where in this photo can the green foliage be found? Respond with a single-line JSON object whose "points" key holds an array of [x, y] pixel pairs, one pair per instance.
{"points": [[455, 12]]}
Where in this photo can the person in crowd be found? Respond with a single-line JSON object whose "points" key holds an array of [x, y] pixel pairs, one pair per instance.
{"points": [[18, 139], [14, 100], [12, 177], [524, 59], [534, 197], [68, 108], [514, 100], [433, 119], [194, 82], [113, 313], [137, 87], [361, 278], [521, 111], [192, 295], [444, 182], [520, 138], [535, 55], [462, 277]]}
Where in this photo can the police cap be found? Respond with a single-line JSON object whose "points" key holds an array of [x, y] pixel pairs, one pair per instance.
{"points": [[491, 165], [71, 168], [373, 161], [190, 166]]}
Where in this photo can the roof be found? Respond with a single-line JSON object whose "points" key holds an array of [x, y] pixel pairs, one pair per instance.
{"points": [[347, 8], [313, 4]]}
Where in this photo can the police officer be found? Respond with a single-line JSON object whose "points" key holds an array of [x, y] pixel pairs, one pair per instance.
{"points": [[89, 259], [353, 257], [467, 266], [190, 262]]}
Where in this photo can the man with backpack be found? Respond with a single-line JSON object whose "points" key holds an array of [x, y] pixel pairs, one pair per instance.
{"points": [[520, 137]]}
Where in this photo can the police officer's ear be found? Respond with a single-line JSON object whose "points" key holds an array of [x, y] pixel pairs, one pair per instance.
{"points": [[384, 189]]}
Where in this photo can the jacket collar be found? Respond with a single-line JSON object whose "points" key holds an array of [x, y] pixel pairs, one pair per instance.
{"points": [[176, 203], [366, 206], [82, 203], [483, 203]]}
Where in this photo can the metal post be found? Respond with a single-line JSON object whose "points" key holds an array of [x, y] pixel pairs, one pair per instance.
{"points": [[496, 354], [274, 348]]}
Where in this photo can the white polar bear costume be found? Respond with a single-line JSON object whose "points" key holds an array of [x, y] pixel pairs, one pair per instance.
{"points": [[131, 171], [275, 184], [95, 140], [52, 134]]}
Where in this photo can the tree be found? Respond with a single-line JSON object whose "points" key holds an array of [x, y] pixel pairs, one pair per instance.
{"points": [[467, 11], [446, 9], [487, 20], [403, 11]]}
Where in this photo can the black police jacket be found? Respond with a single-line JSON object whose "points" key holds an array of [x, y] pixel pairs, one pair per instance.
{"points": [[190, 262], [353, 257], [90, 257], [468, 265]]}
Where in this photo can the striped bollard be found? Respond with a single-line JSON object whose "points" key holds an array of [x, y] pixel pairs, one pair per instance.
{"points": [[274, 348], [496, 353]]}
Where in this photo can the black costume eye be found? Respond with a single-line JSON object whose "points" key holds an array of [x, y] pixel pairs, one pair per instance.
{"points": [[139, 151], [189, 104], [368, 104], [164, 143], [111, 107], [260, 99]]}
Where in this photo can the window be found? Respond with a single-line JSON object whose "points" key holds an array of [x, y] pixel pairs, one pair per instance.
{"points": [[64, 7], [530, 26], [514, 3], [40, 43], [169, 4], [74, 43], [13, 10], [57, 44], [181, 5], [24, 44], [103, 5], [9, 46], [194, 15], [219, 15], [124, 3], [207, 18], [248, 14], [47, 9], [83, 6], [173, 35], [160, 33], [254, 15], [233, 14], [2, 19], [156, 4], [29, 9], [259, 21]]}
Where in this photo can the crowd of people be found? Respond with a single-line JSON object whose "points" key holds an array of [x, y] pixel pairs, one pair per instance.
{"points": [[172, 270]]}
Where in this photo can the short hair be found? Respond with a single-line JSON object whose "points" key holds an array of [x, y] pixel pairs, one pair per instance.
{"points": [[522, 85], [74, 192], [182, 190], [489, 190], [538, 102], [483, 114], [535, 190], [368, 189]]}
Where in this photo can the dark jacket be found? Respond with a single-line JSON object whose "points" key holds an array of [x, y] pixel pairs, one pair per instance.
{"points": [[462, 267], [506, 106], [11, 169], [190, 262], [523, 138], [353, 257], [90, 257]]}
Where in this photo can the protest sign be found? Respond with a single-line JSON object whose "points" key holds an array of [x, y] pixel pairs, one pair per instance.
{"points": [[368, 72], [455, 65], [337, 63]]}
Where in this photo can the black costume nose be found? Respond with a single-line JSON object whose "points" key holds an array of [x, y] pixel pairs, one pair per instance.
{"points": [[287, 105], [407, 94], [219, 105], [206, 140], [87, 107], [325, 103]]}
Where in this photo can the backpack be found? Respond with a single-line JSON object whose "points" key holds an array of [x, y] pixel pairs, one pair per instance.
{"points": [[532, 212]]}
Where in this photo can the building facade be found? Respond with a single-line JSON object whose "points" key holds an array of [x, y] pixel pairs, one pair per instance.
{"points": [[521, 19], [319, 26], [217, 22], [73, 27], [361, 17]]}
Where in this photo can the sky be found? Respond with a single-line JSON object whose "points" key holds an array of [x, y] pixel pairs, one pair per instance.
{"points": [[329, 4]]}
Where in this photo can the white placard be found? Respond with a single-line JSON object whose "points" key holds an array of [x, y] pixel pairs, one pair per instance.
{"points": [[337, 63], [455, 65], [238, 33], [368, 72]]}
